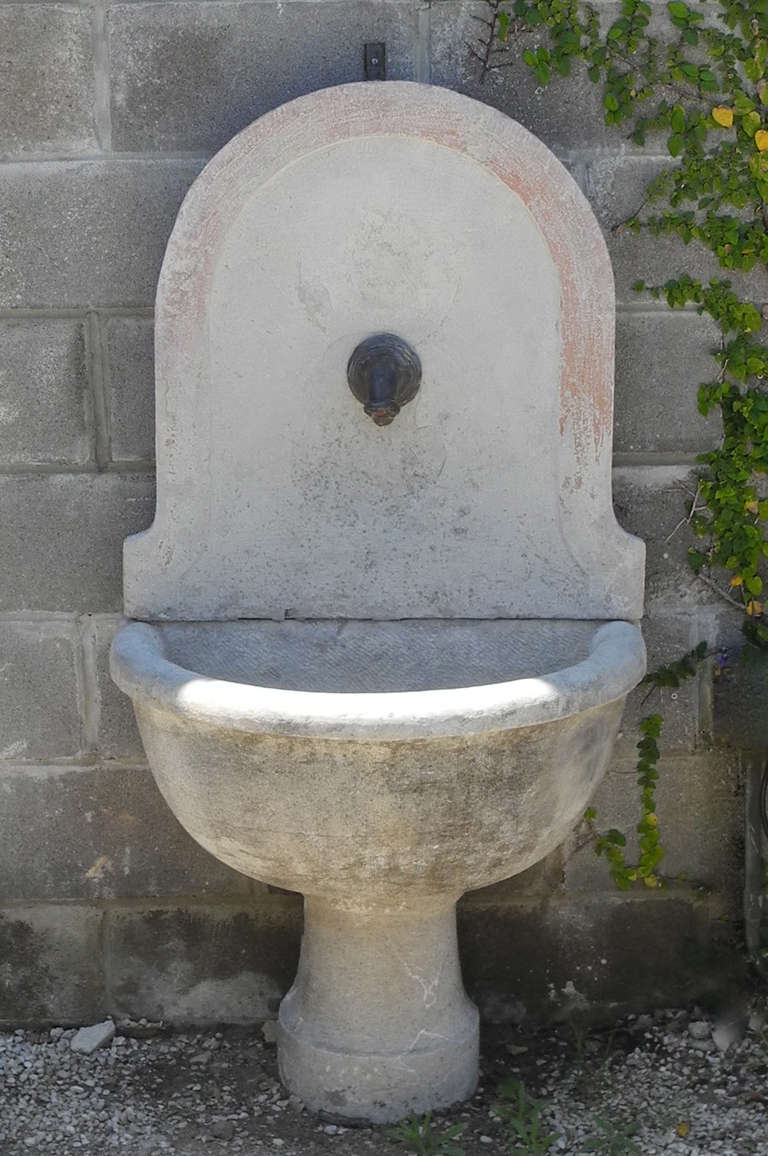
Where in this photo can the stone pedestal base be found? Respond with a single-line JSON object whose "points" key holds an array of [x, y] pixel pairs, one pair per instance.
{"points": [[377, 1024]]}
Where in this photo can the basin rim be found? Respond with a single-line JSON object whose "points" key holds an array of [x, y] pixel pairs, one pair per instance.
{"points": [[140, 666]]}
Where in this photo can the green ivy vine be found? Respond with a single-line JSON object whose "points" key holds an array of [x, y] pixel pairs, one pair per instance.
{"points": [[612, 844]]}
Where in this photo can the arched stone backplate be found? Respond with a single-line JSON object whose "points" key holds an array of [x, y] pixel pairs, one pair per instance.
{"points": [[384, 207]]}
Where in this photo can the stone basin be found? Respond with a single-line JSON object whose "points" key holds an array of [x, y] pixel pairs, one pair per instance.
{"points": [[382, 769]]}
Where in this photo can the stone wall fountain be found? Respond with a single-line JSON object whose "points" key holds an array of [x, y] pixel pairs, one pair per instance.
{"points": [[379, 651]]}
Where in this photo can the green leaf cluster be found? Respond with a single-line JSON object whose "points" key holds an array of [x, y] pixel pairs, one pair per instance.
{"points": [[522, 1115], [674, 673], [734, 515], [419, 1136], [611, 843], [612, 1139]]}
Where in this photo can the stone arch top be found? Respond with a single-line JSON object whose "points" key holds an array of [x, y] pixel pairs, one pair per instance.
{"points": [[359, 209]]}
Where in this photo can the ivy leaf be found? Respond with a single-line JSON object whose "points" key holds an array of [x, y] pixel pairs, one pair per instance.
{"points": [[675, 144], [723, 116], [742, 103], [750, 123]]}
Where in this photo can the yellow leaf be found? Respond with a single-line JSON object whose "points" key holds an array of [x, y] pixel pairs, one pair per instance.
{"points": [[737, 580], [761, 140], [754, 607], [682, 1129], [651, 881], [751, 507], [722, 116]]}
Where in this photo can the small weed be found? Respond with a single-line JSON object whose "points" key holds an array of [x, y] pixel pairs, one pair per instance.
{"points": [[419, 1136], [613, 1140], [522, 1115]]}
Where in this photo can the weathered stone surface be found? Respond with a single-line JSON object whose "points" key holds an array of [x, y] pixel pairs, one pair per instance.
{"points": [[661, 359], [44, 402], [90, 1039], [70, 833], [85, 233], [117, 736], [50, 965], [381, 834], [286, 761], [190, 76], [701, 821], [654, 503], [39, 717], [369, 984], [575, 958], [61, 539], [46, 79], [293, 505], [544, 878], [201, 964], [565, 115], [131, 388]]}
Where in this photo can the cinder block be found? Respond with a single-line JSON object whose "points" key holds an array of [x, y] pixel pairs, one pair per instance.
{"points": [[78, 833], [117, 736], [740, 693], [661, 359], [616, 185], [595, 958], [202, 965], [46, 79], [567, 114], [44, 405], [61, 539], [131, 388], [50, 966], [85, 233], [190, 76], [654, 502], [39, 716], [701, 823]]}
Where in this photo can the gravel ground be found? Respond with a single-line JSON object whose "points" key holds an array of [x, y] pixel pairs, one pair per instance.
{"points": [[675, 1081]]}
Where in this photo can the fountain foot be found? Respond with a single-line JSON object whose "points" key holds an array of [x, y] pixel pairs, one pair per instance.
{"points": [[377, 1024]]}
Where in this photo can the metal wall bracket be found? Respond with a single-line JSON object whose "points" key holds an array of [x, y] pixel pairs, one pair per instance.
{"points": [[375, 61]]}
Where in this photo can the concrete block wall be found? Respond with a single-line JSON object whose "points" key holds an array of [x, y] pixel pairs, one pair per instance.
{"points": [[106, 906]]}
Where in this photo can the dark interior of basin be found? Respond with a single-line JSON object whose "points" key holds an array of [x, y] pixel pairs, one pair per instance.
{"points": [[369, 657]]}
